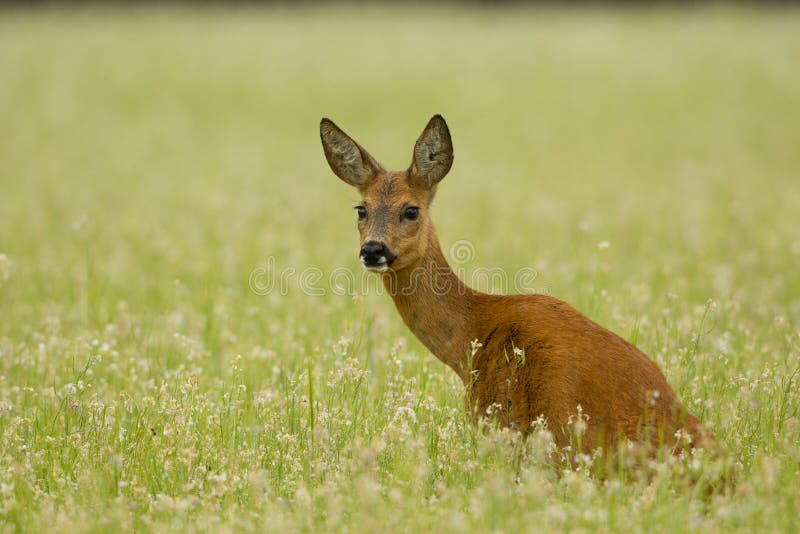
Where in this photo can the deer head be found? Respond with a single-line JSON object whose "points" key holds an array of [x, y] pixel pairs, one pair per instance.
{"points": [[393, 215]]}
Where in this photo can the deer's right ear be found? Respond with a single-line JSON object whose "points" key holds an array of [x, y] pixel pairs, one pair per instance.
{"points": [[347, 159], [433, 153]]}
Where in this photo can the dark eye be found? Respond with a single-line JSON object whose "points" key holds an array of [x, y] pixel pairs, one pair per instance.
{"points": [[411, 214], [362, 213]]}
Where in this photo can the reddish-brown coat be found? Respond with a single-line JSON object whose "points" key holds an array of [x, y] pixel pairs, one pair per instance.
{"points": [[522, 357], [562, 361]]}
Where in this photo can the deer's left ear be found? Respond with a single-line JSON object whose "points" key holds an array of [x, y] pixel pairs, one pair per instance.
{"points": [[348, 160], [433, 153]]}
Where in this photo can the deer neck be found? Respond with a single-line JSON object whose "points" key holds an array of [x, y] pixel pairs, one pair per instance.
{"points": [[435, 305]]}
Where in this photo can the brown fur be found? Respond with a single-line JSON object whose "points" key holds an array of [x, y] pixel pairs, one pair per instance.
{"points": [[563, 359]]}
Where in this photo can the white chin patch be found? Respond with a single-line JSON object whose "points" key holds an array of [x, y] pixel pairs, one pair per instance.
{"points": [[380, 267]]}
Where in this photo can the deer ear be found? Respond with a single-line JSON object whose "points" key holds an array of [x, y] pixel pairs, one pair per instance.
{"points": [[347, 159], [433, 153]]}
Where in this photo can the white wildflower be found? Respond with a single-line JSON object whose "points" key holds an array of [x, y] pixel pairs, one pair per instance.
{"points": [[474, 346], [79, 223]]}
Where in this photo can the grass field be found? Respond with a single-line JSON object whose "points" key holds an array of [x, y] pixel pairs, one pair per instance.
{"points": [[646, 164]]}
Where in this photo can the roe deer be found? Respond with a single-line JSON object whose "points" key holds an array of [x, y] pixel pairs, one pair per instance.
{"points": [[521, 357]]}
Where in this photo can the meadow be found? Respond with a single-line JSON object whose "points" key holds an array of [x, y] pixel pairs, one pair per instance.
{"points": [[158, 165]]}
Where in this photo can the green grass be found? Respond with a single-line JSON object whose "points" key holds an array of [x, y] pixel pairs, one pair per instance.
{"points": [[150, 160]]}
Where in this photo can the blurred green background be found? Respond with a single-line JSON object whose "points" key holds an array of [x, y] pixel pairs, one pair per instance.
{"points": [[152, 158], [187, 139]]}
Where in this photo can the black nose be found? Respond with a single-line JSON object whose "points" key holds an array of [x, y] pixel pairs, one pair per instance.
{"points": [[374, 254]]}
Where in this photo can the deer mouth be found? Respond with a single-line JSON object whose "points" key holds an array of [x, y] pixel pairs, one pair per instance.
{"points": [[379, 264], [376, 256]]}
